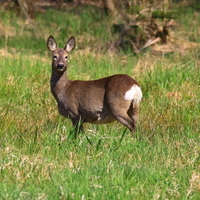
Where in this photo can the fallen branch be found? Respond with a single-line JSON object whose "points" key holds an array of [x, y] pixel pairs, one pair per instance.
{"points": [[151, 42]]}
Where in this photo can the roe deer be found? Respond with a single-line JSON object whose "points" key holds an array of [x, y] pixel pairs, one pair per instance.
{"points": [[99, 101]]}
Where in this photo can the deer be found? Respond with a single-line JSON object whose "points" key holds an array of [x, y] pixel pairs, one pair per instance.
{"points": [[100, 101]]}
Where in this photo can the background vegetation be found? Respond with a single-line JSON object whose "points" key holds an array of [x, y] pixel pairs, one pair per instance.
{"points": [[40, 159]]}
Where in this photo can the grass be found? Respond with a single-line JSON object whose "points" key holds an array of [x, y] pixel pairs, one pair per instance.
{"points": [[40, 158]]}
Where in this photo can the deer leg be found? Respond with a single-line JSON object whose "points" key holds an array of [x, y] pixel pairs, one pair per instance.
{"points": [[133, 112], [126, 121], [78, 126], [122, 117], [120, 113]]}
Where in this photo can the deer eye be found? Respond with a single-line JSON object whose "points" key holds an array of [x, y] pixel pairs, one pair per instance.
{"points": [[54, 57], [66, 57]]}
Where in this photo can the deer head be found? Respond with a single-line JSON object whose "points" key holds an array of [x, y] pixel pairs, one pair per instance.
{"points": [[60, 56]]}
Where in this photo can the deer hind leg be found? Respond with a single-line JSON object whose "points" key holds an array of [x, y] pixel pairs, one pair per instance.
{"points": [[133, 111], [126, 121], [120, 113]]}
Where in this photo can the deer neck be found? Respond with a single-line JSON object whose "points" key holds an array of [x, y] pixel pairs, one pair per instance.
{"points": [[59, 84]]}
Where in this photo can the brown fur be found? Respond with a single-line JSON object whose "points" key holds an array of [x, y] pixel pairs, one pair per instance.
{"points": [[96, 101]]}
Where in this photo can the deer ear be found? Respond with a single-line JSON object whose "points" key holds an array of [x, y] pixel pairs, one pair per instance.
{"points": [[70, 44], [51, 43]]}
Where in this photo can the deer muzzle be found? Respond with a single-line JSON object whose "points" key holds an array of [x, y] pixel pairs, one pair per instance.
{"points": [[61, 67]]}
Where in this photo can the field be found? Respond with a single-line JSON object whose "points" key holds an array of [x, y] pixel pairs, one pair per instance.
{"points": [[40, 159]]}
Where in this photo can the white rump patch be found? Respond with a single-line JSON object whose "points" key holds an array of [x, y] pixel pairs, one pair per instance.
{"points": [[134, 93]]}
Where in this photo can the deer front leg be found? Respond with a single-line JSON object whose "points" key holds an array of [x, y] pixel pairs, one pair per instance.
{"points": [[78, 126]]}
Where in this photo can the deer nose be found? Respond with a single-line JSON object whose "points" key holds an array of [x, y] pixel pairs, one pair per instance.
{"points": [[60, 66]]}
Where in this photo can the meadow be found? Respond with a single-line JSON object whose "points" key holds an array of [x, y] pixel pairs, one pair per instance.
{"points": [[40, 159]]}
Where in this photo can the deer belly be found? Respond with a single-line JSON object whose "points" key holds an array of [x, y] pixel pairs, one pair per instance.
{"points": [[105, 119], [100, 118]]}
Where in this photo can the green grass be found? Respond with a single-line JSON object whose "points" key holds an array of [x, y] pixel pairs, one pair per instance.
{"points": [[40, 159]]}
